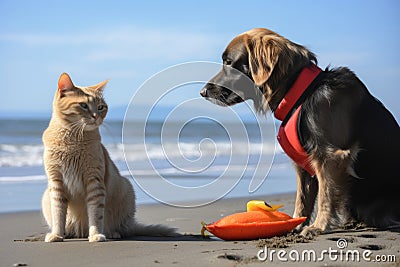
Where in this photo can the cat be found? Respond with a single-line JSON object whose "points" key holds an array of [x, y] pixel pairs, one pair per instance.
{"points": [[86, 196]]}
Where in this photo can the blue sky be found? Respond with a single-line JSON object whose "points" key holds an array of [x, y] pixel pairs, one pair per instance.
{"points": [[128, 42]]}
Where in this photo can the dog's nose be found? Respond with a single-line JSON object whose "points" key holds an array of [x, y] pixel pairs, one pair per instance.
{"points": [[203, 92]]}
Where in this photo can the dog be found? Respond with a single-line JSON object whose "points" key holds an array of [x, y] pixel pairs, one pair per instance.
{"points": [[349, 140]]}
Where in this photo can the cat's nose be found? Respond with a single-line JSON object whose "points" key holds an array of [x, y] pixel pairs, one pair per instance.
{"points": [[95, 115]]}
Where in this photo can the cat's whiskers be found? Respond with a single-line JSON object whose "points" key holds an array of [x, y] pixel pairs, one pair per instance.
{"points": [[107, 127], [75, 130], [81, 131], [67, 131]]}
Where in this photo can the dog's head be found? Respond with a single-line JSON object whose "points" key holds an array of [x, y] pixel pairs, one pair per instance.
{"points": [[259, 65]]}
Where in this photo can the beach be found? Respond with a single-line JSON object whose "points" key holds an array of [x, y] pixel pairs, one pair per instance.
{"points": [[22, 243]]}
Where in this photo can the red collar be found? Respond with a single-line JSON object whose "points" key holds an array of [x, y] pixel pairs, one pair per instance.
{"points": [[288, 136], [305, 78]]}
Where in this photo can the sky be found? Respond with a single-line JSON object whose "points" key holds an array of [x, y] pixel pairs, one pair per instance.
{"points": [[130, 41]]}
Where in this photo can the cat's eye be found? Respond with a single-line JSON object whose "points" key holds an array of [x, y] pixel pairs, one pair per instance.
{"points": [[83, 105], [100, 107]]}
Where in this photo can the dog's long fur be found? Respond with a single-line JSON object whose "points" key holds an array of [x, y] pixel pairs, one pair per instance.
{"points": [[352, 139]]}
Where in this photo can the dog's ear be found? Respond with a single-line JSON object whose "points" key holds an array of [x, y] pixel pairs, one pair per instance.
{"points": [[263, 52]]}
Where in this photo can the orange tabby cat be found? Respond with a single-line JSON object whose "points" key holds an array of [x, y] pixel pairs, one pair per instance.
{"points": [[86, 196]]}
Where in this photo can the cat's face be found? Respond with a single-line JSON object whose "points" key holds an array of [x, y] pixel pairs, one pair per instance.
{"points": [[79, 108]]}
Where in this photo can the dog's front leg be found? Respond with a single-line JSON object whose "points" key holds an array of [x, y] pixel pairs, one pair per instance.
{"points": [[332, 191], [307, 188]]}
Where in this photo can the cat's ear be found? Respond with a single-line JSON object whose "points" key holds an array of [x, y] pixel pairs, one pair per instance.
{"points": [[100, 86], [65, 84]]}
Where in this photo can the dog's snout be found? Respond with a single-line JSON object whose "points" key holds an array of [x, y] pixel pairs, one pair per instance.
{"points": [[203, 92]]}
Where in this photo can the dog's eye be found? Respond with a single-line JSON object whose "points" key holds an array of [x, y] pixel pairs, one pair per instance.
{"points": [[228, 62]]}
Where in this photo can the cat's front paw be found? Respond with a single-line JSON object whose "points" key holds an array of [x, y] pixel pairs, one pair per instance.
{"points": [[51, 237], [97, 238]]}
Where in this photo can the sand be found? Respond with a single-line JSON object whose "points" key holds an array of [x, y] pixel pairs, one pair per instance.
{"points": [[21, 243]]}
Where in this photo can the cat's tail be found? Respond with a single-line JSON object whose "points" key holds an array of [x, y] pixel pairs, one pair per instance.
{"points": [[141, 229]]}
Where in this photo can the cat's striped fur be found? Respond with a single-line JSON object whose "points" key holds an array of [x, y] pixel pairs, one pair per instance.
{"points": [[86, 196]]}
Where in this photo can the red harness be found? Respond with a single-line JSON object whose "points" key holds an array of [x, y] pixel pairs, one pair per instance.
{"points": [[288, 136]]}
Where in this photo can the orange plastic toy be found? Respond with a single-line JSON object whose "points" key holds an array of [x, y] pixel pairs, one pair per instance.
{"points": [[260, 221]]}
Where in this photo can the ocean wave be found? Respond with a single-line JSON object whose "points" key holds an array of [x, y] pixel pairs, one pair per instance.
{"points": [[23, 179], [213, 171], [12, 155], [190, 151], [20, 155]]}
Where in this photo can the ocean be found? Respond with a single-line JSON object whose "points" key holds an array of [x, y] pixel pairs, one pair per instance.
{"points": [[184, 164]]}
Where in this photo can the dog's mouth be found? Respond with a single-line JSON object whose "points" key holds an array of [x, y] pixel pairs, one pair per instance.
{"points": [[220, 95], [218, 101]]}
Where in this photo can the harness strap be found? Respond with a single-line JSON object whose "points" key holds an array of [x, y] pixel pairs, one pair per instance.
{"points": [[289, 140], [303, 81], [288, 111]]}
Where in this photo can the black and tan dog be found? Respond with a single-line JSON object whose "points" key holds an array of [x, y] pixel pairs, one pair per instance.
{"points": [[352, 142]]}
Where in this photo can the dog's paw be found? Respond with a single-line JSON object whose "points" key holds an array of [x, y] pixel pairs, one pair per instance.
{"points": [[298, 229], [97, 238], [311, 231], [301, 226], [50, 237]]}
